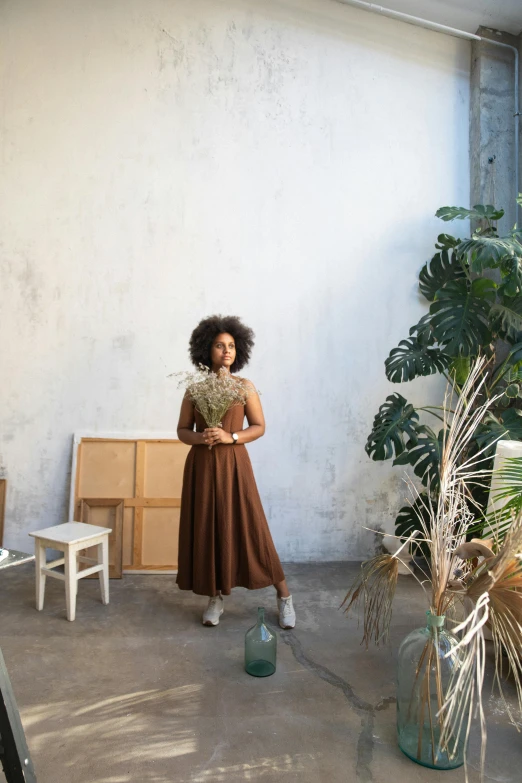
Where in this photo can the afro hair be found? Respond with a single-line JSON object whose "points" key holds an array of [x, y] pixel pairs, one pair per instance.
{"points": [[207, 330]]}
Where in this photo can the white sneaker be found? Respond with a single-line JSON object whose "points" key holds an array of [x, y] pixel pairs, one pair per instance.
{"points": [[213, 611], [286, 612]]}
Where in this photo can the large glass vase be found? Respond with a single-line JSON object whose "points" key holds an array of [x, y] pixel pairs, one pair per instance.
{"points": [[260, 648], [424, 674]]}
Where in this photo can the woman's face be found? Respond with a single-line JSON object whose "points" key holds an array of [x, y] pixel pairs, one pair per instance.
{"points": [[223, 353]]}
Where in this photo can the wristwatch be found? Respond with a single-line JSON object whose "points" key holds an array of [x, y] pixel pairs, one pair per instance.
{"points": [[234, 437]]}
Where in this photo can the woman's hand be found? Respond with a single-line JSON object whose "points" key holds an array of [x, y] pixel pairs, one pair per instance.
{"points": [[214, 435]]}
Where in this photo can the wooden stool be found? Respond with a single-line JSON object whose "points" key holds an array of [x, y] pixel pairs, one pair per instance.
{"points": [[70, 538]]}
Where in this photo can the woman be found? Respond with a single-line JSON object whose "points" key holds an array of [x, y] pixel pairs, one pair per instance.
{"points": [[224, 540]]}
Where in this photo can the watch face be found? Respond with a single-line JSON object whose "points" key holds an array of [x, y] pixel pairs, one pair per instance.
{"points": [[234, 435]]}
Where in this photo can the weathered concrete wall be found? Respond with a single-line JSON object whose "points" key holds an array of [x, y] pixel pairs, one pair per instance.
{"points": [[492, 127], [166, 160]]}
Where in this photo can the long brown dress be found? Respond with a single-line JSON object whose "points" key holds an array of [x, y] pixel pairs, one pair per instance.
{"points": [[224, 540]]}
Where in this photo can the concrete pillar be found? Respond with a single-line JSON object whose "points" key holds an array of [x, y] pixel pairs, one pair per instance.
{"points": [[492, 126], [520, 126]]}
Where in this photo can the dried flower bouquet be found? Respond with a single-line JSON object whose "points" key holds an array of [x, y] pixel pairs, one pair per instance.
{"points": [[482, 579], [213, 394]]}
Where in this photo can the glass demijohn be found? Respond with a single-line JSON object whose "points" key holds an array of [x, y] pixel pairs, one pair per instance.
{"points": [[423, 677], [260, 648]]}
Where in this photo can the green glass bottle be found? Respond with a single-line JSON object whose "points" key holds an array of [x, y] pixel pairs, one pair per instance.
{"points": [[260, 648], [423, 676]]}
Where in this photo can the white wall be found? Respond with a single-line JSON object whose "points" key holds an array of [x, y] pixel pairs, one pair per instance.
{"points": [[163, 160]]}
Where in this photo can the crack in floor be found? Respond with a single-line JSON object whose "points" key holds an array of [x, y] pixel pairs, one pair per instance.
{"points": [[367, 711]]}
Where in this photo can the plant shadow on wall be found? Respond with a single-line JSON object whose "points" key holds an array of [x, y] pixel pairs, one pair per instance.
{"points": [[474, 290]]}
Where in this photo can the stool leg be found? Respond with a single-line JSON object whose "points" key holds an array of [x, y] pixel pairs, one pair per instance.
{"points": [[71, 582], [40, 561], [103, 558]]}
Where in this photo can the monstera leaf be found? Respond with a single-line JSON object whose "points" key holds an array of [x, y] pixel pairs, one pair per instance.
{"points": [[423, 332], [511, 270], [424, 456], [394, 428], [459, 316], [460, 368], [409, 519], [488, 252], [446, 241], [509, 314], [411, 360], [493, 428], [442, 268], [478, 212]]}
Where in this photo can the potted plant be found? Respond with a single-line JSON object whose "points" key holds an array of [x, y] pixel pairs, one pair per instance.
{"points": [[474, 290], [441, 669]]}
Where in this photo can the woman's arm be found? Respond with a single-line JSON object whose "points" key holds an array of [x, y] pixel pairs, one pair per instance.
{"points": [[256, 422], [255, 418], [186, 432]]}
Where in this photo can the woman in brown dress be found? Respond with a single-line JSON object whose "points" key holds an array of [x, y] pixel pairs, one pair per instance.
{"points": [[224, 539]]}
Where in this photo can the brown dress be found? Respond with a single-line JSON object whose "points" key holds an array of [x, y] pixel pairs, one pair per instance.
{"points": [[224, 540]]}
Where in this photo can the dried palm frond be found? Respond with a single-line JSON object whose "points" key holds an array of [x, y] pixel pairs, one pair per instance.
{"points": [[502, 580], [453, 517], [475, 548], [495, 588], [375, 587], [465, 689], [445, 526]]}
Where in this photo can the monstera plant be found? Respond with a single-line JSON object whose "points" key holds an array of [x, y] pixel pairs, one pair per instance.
{"points": [[473, 288]]}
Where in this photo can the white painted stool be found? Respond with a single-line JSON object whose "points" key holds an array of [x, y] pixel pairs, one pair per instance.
{"points": [[70, 538]]}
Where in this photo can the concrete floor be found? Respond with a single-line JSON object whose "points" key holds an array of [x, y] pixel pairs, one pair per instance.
{"points": [[140, 691]]}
